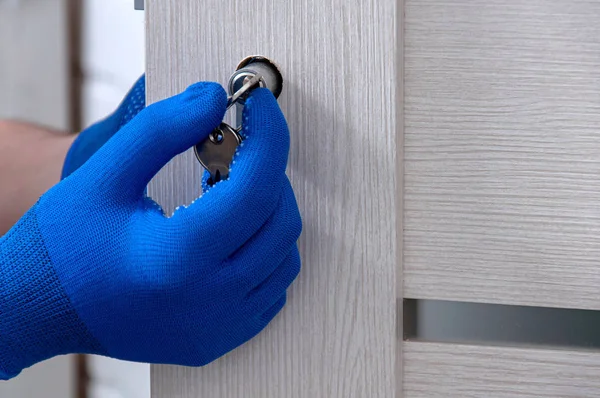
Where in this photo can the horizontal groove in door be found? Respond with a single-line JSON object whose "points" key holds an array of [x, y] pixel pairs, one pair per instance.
{"points": [[466, 371], [500, 325]]}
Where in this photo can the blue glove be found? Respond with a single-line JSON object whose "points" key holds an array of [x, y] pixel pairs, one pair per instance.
{"points": [[95, 266], [92, 139]]}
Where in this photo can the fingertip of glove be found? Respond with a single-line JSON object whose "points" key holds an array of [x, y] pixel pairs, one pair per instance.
{"points": [[266, 132], [262, 109], [209, 93], [262, 93], [206, 102], [204, 95], [263, 99], [194, 113]]}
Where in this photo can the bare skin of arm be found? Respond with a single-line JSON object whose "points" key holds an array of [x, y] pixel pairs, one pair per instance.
{"points": [[31, 160]]}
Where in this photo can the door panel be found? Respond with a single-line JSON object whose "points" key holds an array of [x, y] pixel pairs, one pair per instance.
{"points": [[502, 153], [502, 166], [341, 63], [463, 371]]}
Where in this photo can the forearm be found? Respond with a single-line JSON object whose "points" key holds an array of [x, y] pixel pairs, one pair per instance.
{"points": [[31, 159]]}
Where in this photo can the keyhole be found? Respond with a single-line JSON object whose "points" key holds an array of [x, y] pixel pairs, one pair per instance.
{"points": [[217, 137]]}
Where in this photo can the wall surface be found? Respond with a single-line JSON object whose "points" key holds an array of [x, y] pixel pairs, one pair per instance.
{"points": [[34, 87], [112, 59], [34, 61], [54, 378]]}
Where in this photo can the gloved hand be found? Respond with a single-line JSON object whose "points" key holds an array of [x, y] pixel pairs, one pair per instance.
{"points": [[92, 138], [95, 266]]}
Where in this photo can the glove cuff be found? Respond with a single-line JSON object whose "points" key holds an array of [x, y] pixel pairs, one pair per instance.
{"points": [[37, 320]]}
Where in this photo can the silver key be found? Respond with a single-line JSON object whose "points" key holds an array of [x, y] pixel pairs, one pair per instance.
{"points": [[216, 153]]}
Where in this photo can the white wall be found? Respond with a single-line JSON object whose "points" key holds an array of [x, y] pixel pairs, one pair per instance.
{"points": [[113, 59], [113, 54], [34, 61], [33, 33], [34, 87], [54, 378]]}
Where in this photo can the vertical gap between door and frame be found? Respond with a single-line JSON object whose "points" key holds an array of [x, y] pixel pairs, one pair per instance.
{"points": [[399, 194]]}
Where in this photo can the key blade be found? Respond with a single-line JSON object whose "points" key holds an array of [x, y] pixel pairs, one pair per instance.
{"points": [[216, 155], [252, 83]]}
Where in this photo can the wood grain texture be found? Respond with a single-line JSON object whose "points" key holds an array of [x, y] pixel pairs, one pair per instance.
{"points": [[502, 152], [337, 335], [463, 371]]}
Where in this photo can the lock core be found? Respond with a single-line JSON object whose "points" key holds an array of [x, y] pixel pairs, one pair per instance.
{"points": [[257, 66], [216, 153]]}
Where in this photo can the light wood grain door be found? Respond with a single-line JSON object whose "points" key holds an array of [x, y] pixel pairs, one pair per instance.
{"points": [[502, 185], [441, 151], [341, 63]]}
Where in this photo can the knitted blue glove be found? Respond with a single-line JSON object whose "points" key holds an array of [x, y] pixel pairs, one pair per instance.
{"points": [[92, 138], [95, 266]]}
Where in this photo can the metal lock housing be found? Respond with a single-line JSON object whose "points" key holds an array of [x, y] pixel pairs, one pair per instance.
{"points": [[216, 153]]}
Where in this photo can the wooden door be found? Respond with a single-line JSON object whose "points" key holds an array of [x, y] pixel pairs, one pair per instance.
{"points": [[502, 186], [442, 152], [341, 63]]}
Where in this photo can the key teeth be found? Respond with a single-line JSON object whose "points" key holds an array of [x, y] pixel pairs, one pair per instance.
{"points": [[213, 180]]}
